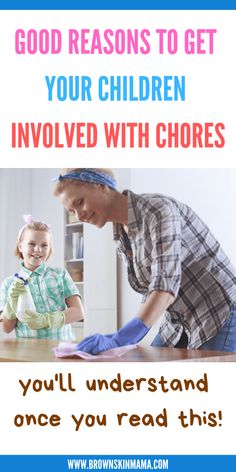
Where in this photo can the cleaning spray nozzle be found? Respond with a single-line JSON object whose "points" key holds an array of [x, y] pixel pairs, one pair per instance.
{"points": [[26, 281]]}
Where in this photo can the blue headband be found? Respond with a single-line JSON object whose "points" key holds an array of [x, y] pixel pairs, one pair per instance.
{"points": [[88, 175]]}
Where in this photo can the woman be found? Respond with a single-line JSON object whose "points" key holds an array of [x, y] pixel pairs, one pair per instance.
{"points": [[172, 259]]}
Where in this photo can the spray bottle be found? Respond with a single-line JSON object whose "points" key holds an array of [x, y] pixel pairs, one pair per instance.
{"points": [[25, 300]]}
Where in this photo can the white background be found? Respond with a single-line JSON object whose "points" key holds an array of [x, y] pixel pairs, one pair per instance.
{"points": [[113, 439], [210, 93], [210, 97]]}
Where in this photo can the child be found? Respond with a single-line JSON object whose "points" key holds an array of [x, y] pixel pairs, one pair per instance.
{"points": [[56, 298]]}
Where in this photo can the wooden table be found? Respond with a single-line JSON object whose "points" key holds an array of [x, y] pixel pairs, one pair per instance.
{"points": [[40, 350]]}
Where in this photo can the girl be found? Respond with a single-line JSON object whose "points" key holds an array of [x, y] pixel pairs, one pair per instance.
{"points": [[56, 298], [172, 258]]}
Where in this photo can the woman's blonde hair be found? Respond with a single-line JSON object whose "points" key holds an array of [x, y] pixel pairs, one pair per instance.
{"points": [[35, 226], [61, 184]]}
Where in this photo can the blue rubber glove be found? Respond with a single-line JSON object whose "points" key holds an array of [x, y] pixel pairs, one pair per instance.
{"points": [[131, 333]]}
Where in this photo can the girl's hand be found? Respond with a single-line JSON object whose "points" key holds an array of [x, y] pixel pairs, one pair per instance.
{"points": [[36, 320], [9, 311]]}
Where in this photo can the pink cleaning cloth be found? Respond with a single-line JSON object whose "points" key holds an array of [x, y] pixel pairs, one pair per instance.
{"points": [[69, 350]]}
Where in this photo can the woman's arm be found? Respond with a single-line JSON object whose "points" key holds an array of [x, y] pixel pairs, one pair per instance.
{"points": [[155, 306], [75, 310], [150, 311]]}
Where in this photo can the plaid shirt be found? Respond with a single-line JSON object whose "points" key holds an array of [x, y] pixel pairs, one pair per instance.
{"points": [[170, 248], [49, 289]]}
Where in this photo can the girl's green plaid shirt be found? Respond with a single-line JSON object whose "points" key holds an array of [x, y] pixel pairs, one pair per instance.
{"points": [[49, 289]]}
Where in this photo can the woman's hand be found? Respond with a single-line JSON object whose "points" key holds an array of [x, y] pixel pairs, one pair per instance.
{"points": [[131, 333], [97, 343]]}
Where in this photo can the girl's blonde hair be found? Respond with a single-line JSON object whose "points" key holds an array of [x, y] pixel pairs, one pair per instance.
{"points": [[35, 226], [62, 184]]}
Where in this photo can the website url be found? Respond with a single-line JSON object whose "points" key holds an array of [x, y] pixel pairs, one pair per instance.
{"points": [[118, 464]]}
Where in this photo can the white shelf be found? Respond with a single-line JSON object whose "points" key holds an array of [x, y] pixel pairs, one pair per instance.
{"points": [[96, 272], [74, 260], [79, 324], [78, 330], [72, 225]]}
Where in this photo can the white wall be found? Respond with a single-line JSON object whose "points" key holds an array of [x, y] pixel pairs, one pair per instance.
{"points": [[15, 200], [210, 192], [47, 208]]}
